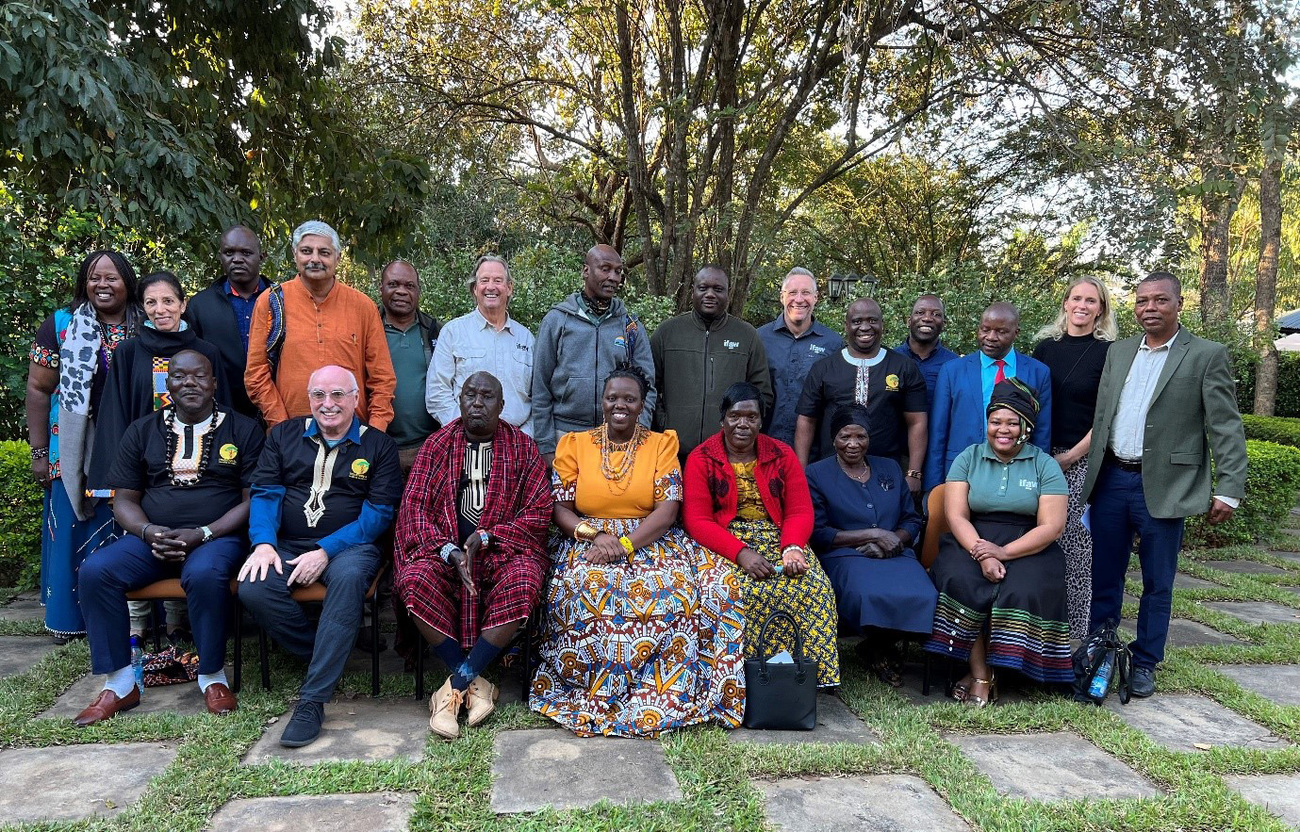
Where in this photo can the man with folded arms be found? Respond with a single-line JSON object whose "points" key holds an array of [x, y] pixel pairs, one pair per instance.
{"points": [[471, 546], [181, 480], [326, 487]]}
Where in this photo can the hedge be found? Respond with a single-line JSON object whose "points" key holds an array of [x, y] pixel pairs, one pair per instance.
{"points": [[1272, 480], [1287, 402], [20, 518], [1279, 429]]}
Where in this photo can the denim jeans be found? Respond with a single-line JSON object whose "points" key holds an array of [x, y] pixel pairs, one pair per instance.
{"points": [[1119, 511], [325, 647]]}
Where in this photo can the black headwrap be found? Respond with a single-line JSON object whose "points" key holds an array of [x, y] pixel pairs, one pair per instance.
{"points": [[849, 414], [1014, 395]]}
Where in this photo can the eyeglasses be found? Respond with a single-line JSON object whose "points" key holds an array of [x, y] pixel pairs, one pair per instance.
{"points": [[319, 396]]}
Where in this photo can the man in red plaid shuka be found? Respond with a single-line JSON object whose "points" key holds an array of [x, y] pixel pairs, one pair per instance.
{"points": [[470, 546]]}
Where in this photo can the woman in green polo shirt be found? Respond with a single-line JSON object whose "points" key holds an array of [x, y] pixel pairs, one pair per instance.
{"points": [[1000, 572]]}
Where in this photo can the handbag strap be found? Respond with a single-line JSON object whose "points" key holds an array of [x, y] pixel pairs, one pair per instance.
{"points": [[762, 637]]}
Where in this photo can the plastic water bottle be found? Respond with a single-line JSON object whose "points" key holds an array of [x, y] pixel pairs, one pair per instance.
{"points": [[1101, 681], [137, 662]]}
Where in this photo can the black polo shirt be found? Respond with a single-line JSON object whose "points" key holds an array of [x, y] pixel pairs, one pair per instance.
{"points": [[141, 465], [362, 468]]}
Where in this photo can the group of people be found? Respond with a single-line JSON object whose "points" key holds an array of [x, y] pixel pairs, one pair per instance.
{"points": [[659, 495]]}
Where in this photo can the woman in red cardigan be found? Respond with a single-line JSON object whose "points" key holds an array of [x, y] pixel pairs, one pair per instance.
{"points": [[746, 498]]}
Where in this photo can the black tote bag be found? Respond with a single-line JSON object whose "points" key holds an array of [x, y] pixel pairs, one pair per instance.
{"points": [[778, 696]]}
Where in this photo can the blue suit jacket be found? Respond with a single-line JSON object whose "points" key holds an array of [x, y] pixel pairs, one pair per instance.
{"points": [[957, 418]]}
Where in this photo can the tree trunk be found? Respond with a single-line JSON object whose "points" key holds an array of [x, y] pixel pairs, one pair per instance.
{"points": [[1270, 242], [1216, 218]]}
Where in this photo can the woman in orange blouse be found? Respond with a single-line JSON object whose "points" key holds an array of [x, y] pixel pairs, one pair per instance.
{"points": [[641, 631]]}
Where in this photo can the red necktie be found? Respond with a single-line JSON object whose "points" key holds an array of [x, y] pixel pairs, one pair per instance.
{"points": [[1001, 376]]}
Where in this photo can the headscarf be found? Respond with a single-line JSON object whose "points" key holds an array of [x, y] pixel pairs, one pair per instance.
{"points": [[850, 414], [1014, 395]]}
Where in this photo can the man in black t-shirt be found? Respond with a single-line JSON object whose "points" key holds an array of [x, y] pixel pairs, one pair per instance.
{"points": [[326, 487], [888, 384], [181, 491]]}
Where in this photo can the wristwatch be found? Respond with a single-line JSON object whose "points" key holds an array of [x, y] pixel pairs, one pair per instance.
{"points": [[914, 474], [207, 533]]}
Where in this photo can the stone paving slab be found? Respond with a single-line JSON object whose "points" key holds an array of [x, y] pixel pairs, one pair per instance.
{"points": [[1277, 682], [550, 767], [25, 607], [1245, 567], [1185, 633], [360, 729], [835, 723], [1181, 581], [1180, 721], [1257, 612], [184, 699], [1277, 793], [68, 783], [380, 812], [884, 803], [1291, 556], [1055, 766], [19, 653]]}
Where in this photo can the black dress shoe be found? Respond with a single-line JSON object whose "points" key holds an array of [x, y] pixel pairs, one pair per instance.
{"points": [[1143, 682], [304, 725]]}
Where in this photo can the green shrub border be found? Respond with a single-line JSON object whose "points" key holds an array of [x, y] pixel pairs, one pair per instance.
{"points": [[20, 517], [1279, 429], [1272, 480]]}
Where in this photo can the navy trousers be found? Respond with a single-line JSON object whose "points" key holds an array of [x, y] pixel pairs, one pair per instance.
{"points": [[128, 563], [1119, 511], [325, 647]]}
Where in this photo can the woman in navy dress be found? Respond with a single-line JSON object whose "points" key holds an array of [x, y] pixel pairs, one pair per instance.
{"points": [[866, 522]]}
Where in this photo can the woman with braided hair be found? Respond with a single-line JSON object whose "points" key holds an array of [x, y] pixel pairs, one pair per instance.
{"points": [[642, 629]]}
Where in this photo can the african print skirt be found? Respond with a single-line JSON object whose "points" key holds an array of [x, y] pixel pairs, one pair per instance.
{"points": [[632, 650], [809, 599], [1024, 613], [65, 543]]}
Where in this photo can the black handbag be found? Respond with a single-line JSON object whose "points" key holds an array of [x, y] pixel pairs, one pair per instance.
{"points": [[780, 696]]}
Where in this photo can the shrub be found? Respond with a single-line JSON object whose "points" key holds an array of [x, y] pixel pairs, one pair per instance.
{"points": [[1287, 402], [1279, 429], [20, 518], [1272, 479]]}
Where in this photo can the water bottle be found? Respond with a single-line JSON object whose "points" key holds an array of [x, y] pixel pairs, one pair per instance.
{"points": [[137, 662], [1101, 681]]}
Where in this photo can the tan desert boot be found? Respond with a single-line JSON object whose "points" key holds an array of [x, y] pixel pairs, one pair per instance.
{"points": [[448, 702], [482, 700]]}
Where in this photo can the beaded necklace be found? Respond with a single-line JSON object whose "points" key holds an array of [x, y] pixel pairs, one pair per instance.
{"points": [[616, 476], [179, 469]]}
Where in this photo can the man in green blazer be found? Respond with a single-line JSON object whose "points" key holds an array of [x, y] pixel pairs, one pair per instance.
{"points": [[1166, 401]]}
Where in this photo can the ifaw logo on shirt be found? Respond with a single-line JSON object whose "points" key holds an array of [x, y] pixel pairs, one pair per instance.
{"points": [[1029, 485], [731, 345], [816, 349]]}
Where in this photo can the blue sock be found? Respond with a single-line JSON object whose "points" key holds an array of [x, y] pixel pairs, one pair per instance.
{"points": [[451, 654], [482, 655]]}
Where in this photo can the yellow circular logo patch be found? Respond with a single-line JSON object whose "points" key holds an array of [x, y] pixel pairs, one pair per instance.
{"points": [[891, 382], [360, 467], [228, 452]]}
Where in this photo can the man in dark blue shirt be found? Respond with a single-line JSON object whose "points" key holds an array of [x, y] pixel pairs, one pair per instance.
{"points": [[794, 342], [325, 488], [924, 326]]}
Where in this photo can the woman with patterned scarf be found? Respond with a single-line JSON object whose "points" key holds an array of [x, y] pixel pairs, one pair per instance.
{"points": [[70, 357]]}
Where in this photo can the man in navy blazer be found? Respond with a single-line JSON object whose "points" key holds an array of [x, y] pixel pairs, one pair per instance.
{"points": [[957, 414]]}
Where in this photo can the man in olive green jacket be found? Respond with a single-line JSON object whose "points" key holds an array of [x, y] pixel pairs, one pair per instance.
{"points": [[1166, 401], [698, 355]]}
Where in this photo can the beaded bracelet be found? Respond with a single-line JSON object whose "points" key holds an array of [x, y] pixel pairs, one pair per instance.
{"points": [[40, 453]]}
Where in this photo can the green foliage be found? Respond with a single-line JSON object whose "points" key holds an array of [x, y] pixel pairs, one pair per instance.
{"points": [[1245, 360], [20, 518], [1272, 480], [1279, 429]]}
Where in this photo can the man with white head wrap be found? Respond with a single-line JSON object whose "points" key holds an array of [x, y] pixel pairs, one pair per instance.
{"points": [[309, 322]]}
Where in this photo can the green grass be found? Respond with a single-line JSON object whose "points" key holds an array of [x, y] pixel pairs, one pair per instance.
{"points": [[452, 782]]}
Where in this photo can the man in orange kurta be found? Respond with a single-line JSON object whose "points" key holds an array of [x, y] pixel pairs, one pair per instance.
{"points": [[325, 322]]}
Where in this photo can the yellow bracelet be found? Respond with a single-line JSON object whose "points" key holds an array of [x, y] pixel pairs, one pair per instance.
{"points": [[627, 544]]}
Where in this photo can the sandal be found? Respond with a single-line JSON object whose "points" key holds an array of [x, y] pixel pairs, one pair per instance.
{"points": [[887, 672], [979, 701], [961, 689]]}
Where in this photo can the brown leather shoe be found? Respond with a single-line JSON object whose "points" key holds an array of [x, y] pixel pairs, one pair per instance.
{"points": [[106, 706], [219, 699]]}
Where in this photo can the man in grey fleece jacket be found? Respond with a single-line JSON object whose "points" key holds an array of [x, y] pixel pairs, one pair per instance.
{"points": [[708, 350], [581, 340]]}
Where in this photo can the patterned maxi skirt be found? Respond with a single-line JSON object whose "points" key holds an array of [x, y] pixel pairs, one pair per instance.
{"points": [[633, 650], [809, 599], [65, 543], [1024, 613], [1076, 541]]}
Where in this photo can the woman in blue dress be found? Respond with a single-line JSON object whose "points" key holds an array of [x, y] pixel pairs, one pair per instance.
{"points": [[866, 522]]}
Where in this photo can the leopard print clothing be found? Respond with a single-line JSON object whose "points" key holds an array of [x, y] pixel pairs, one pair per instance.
{"points": [[1077, 543]]}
